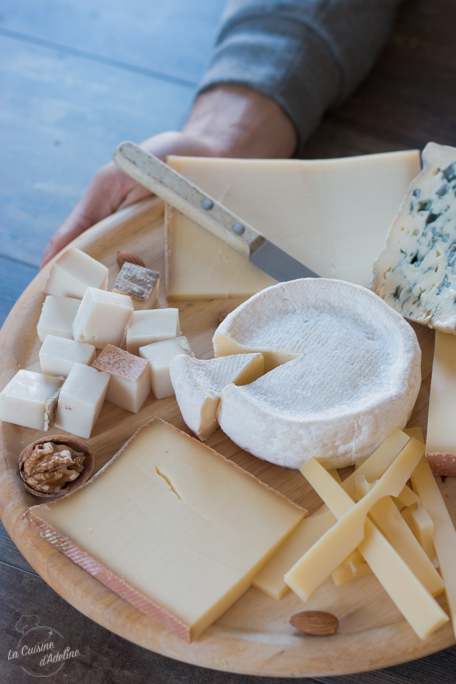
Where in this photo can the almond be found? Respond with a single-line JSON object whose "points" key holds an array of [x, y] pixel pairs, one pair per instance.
{"points": [[222, 315], [315, 622], [130, 257]]}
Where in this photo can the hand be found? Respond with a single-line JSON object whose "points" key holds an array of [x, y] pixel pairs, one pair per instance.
{"points": [[226, 121], [111, 189]]}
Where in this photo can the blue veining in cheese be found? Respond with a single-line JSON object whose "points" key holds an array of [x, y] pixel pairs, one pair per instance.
{"points": [[416, 272]]}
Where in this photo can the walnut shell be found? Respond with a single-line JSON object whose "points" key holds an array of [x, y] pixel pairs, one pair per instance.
{"points": [[74, 443], [132, 258]]}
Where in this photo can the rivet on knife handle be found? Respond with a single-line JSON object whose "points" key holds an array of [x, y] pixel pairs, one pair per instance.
{"points": [[180, 193]]}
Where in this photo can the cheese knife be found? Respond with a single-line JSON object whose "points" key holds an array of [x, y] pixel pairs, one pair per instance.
{"points": [[187, 198]]}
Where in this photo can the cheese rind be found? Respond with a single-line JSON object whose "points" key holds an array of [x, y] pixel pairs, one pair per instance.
{"points": [[129, 385], [197, 384], [285, 200], [195, 547], [140, 283], [354, 377], [415, 273], [73, 273]]}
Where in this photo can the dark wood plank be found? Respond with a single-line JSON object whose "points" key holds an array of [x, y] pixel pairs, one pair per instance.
{"points": [[10, 555], [408, 99], [173, 38], [61, 118], [103, 656], [14, 278]]}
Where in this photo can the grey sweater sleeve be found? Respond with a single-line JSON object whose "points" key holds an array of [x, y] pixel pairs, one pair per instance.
{"points": [[308, 55]]}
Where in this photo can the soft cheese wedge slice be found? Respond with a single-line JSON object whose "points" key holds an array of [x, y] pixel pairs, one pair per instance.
{"points": [[354, 377], [171, 526], [441, 427], [198, 383], [415, 273], [285, 200]]}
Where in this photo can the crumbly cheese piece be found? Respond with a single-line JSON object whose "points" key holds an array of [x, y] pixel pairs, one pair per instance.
{"points": [[73, 273], [441, 427], [152, 326], [57, 316], [81, 400], [102, 318], [271, 578], [416, 604], [197, 384], [160, 355], [426, 487], [285, 200], [57, 355], [354, 378], [129, 385], [415, 273], [140, 283], [160, 526], [30, 399]]}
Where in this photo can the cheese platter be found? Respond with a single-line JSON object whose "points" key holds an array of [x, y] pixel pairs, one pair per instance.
{"points": [[254, 635]]}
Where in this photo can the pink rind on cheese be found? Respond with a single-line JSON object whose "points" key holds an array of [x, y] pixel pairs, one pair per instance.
{"points": [[120, 362], [108, 578], [442, 464]]}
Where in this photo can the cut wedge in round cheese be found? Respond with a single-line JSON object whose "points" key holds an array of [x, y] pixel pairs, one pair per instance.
{"points": [[198, 383], [345, 372]]}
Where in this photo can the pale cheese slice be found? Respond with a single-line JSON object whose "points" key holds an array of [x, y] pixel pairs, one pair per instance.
{"points": [[354, 377], [331, 214], [441, 427], [171, 526], [198, 382]]}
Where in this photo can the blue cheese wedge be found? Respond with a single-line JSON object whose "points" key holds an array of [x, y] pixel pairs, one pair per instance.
{"points": [[416, 272]]}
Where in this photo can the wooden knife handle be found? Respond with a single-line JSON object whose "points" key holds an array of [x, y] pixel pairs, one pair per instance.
{"points": [[163, 181]]}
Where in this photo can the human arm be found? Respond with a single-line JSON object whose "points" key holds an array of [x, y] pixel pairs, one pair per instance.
{"points": [[276, 68]]}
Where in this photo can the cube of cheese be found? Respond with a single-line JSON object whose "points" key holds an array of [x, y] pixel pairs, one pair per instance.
{"points": [[129, 386], [57, 355], [81, 400], [160, 355], [73, 273], [151, 326], [102, 318], [30, 399], [140, 283], [57, 316]]}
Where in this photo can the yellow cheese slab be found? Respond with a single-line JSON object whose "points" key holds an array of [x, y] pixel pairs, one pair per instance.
{"points": [[424, 484], [414, 601], [441, 428], [171, 526], [285, 200], [345, 536]]}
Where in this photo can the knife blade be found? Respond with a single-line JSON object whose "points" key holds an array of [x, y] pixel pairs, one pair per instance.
{"points": [[187, 198]]}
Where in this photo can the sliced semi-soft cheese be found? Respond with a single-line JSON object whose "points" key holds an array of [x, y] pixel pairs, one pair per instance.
{"points": [[416, 273], [444, 532], [270, 579], [285, 200], [414, 601], [171, 526], [354, 377], [198, 382], [441, 427]]}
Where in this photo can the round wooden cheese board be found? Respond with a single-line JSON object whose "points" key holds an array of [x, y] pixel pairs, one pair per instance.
{"points": [[254, 636]]}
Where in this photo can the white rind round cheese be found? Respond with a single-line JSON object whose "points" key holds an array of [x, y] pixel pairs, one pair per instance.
{"points": [[354, 374]]}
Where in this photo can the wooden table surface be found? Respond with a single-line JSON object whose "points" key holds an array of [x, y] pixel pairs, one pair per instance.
{"points": [[76, 78]]}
